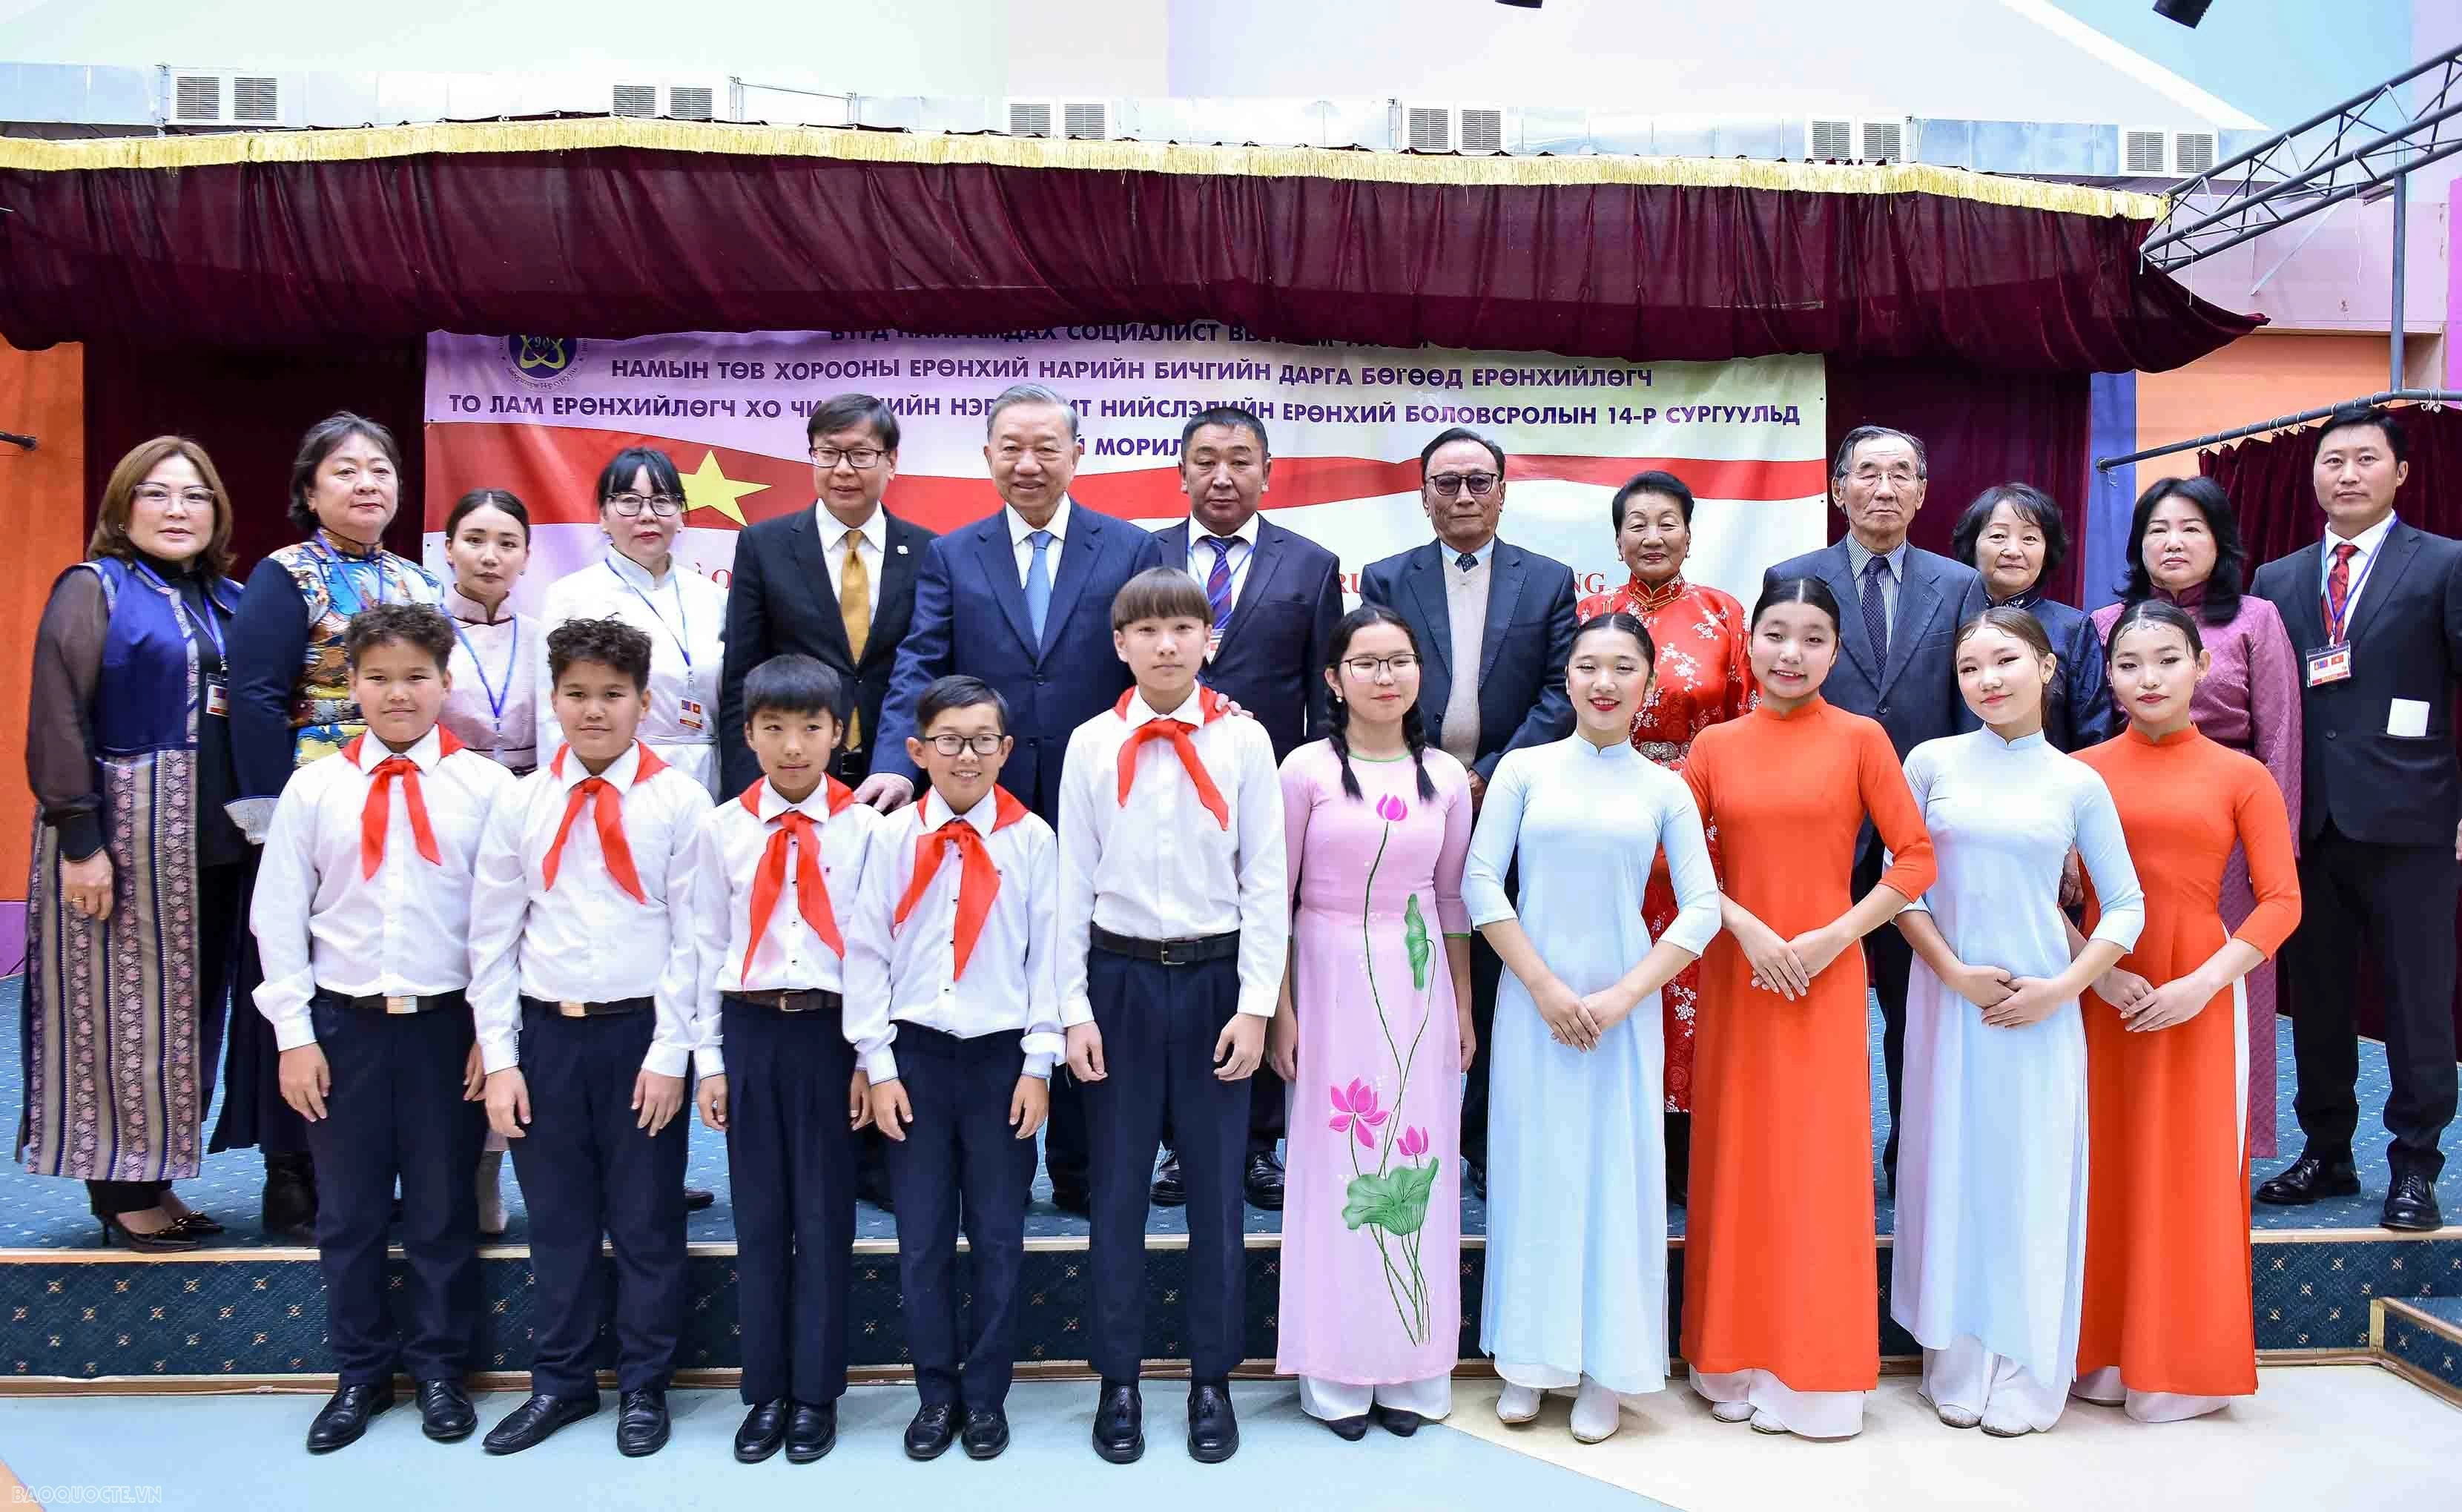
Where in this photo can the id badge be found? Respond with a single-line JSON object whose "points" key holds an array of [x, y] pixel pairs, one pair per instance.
{"points": [[689, 715], [217, 698], [2332, 664]]}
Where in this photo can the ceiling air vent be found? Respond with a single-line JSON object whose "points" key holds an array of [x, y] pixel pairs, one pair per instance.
{"points": [[1084, 118], [1428, 128], [2193, 152], [1830, 141], [1028, 119], [689, 102], [255, 99], [197, 97], [636, 99], [1884, 142], [1483, 130]]}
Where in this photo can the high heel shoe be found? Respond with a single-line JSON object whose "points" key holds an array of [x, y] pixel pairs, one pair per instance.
{"points": [[163, 1241], [196, 1225]]}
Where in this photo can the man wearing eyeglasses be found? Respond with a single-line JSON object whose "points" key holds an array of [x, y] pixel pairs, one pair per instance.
{"points": [[1898, 664], [1495, 627]]}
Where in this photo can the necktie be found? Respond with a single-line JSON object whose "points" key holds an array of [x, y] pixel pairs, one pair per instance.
{"points": [[854, 608], [377, 813], [1038, 584], [2338, 589], [978, 876], [1169, 728], [1466, 561], [795, 828], [1217, 583], [1876, 614]]}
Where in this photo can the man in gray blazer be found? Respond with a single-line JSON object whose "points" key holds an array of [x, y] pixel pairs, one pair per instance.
{"points": [[1897, 662]]}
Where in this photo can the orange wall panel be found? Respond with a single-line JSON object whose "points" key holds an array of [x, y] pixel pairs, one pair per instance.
{"points": [[42, 394], [2257, 378]]}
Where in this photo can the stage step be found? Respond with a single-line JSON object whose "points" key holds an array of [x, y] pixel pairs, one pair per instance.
{"points": [[2420, 1339]]}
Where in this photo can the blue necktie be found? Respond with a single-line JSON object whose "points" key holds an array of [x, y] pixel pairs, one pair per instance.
{"points": [[1877, 614], [1217, 583], [1038, 584]]}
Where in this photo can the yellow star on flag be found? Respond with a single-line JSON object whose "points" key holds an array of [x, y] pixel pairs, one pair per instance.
{"points": [[709, 487]]}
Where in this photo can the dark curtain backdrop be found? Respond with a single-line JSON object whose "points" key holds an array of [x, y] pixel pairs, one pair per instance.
{"points": [[2268, 481]]}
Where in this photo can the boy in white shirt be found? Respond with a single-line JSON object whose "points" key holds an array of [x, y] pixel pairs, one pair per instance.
{"points": [[361, 914], [1172, 926], [953, 1005], [773, 872], [582, 983]]}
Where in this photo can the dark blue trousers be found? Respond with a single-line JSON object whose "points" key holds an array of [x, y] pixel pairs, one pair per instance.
{"points": [[587, 1168], [1159, 1025], [790, 1165], [960, 1161], [396, 1112]]}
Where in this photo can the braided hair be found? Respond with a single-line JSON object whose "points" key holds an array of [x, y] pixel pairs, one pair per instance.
{"points": [[1337, 734]]}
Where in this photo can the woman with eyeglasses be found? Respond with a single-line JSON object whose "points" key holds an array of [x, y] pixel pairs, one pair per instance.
{"points": [[1704, 678], [640, 508]]}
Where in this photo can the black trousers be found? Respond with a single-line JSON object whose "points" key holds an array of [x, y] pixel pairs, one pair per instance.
{"points": [[1160, 1024], [396, 1114], [1066, 1155], [1486, 970], [253, 1114], [2395, 902], [790, 1166], [961, 1163], [587, 1168], [1887, 960]]}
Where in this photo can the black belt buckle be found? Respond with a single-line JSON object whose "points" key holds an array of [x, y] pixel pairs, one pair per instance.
{"points": [[1176, 952]]}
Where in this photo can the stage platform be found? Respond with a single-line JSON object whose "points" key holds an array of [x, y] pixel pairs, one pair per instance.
{"points": [[249, 1310]]}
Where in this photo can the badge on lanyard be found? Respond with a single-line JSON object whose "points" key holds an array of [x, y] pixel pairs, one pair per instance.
{"points": [[2330, 664], [689, 715], [217, 698]]}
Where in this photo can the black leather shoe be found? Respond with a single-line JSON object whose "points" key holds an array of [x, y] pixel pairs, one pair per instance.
{"points": [[986, 1433], [1475, 1178], [1349, 1429], [1395, 1421], [1265, 1181], [288, 1210], [1213, 1427], [345, 1416], [1073, 1199], [2311, 1178], [1119, 1423], [445, 1411], [763, 1432], [533, 1422], [2410, 1206], [197, 1224], [1169, 1190], [872, 1186], [932, 1431], [641, 1423], [698, 1197], [811, 1432]]}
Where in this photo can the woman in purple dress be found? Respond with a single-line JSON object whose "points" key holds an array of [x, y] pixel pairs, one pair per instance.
{"points": [[1372, 1034], [2184, 549]]}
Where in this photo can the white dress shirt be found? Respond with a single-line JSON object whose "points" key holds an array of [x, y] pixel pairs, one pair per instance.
{"points": [[2370, 542], [1200, 556], [585, 940], [1019, 542], [685, 615], [493, 707], [725, 862], [870, 544], [400, 932], [1160, 866], [907, 973]]}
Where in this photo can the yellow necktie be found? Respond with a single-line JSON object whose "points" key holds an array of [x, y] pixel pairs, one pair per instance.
{"points": [[854, 608]]}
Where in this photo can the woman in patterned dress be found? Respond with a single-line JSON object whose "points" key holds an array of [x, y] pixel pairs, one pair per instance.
{"points": [[1704, 678]]}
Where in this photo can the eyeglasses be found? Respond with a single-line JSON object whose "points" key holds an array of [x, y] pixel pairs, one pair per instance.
{"points": [[665, 505], [153, 493], [862, 459], [1365, 668], [1448, 484], [980, 744], [1903, 477]]}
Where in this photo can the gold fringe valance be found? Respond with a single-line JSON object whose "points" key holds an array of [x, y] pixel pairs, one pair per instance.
{"points": [[579, 134]]}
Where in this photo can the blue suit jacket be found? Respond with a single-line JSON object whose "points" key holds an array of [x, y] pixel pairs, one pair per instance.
{"points": [[970, 617], [1915, 695], [1272, 658], [2077, 707], [1522, 658]]}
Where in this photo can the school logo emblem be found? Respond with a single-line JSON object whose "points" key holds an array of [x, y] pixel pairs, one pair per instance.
{"points": [[542, 361]]}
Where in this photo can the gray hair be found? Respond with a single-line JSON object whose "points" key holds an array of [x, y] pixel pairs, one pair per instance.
{"points": [[1030, 394], [1862, 432]]}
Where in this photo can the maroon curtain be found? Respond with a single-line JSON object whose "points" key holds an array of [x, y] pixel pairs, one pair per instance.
{"points": [[1977, 429], [2268, 481], [620, 242]]}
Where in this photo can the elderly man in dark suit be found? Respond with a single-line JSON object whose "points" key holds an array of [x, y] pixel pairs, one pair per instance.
{"points": [[1495, 625], [1899, 660], [2375, 609]]}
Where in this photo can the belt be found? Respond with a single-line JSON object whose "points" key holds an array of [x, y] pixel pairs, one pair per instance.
{"points": [[569, 1009], [379, 1003], [813, 1001], [1166, 952]]}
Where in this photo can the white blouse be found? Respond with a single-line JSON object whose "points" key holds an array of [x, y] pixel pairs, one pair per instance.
{"points": [[684, 615]]}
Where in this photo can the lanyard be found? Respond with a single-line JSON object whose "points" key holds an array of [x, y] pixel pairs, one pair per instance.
{"points": [[206, 622], [495, 697], [2335, 628], [327, 559], [680, 629]]}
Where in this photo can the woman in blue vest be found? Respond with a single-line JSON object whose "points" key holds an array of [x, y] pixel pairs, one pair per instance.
{"points": [[138, 896]]}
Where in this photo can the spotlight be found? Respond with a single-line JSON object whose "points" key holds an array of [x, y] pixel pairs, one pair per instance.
{"points": [[2187, 12]]}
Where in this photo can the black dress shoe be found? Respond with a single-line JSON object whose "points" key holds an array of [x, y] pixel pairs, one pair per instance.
{"points": [[445, 1411], [1073, 1199], [763, 1434], [1169, 1190], [288, 1210], [197, 1224], [811, 1432], [533, 1422], [1213, 1427], [932, 1431], [1265, 1181], [697, 1197], [986, 1433], [1119, 1423], [345, 1416], [2410, 1206], [872, 1185], [1475, 1178], [641, 1423], [1349, 1429], [1395, 1421], [2310, 1177], [172, 1240]]}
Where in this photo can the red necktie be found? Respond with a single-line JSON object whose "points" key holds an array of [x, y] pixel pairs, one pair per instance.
{"points": [[608, 815], [811, 892], [978, 878], [1169, 728], [2338, 589], [376, 816]]}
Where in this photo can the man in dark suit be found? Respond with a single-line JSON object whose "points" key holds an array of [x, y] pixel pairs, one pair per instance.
{"points": [[1276, 596], [834, 582], [1495, 626], [1022, 600], [1903, 607], [2375, 610]]}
